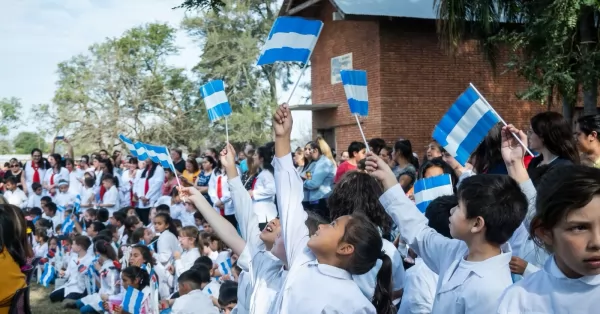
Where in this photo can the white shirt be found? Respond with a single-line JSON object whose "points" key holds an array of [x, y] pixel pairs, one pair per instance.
{"points": [[195, 302], [75, 185], [225, 194], [549, 291], [310, 287], [212, 289], [29, 174], [16, 197], [154, 186], [57, 219], [127, 185], [62, 174], [87, 196], [367, 282], [64, 199], [35, 200], [264, 197], [419, 289], [75, 274], [463, 286], [41, 250], [186, 261], [166, 245], [268, 276], [111, 197]]}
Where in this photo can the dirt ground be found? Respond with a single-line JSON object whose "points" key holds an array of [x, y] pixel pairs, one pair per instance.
{"points": [[40, 303]]}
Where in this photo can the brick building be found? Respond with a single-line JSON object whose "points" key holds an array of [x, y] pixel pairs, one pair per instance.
{"points": [[412, 79]]}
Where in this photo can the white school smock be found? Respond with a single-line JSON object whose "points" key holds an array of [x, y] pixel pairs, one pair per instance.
{"points": [[75, 274], [111, 196], [64, 199], [268, 275], [109, 276], [62, 174], [29, 173], [154, 187], [126, 186], [35, 201], [419, 289], [549, 291], [186, 261], [463, 286], [212, 288], [16, 197], [195, 302], [367, 282], [41, 250], [167, 244], [229, 209], [264, 197], [75, 186], [309, 287]]}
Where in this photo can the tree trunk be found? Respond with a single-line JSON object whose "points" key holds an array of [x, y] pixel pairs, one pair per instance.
{"points": [[588, 45], [567, 108]]}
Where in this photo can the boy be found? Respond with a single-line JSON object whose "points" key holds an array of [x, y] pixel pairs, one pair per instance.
{"points": [[191, 298], [110, 199], [51, 212], [356, 152], [473, 267], [13, 194], [44, 202], [63, 198], [228, 296], [35, 199], [118, 220]]}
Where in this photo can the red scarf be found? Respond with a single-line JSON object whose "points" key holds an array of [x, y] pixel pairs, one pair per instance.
{"points": [[147, 183], [220, 193], [36, 174], [102, 192], [254, 182]]}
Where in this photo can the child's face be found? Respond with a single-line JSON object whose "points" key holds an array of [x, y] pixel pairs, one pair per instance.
{"points": [[76, 248], [107, 184], [136, 258], [207, 227], [327, 239], [131, 212], [152, 213], [91, 232], [87, 216], [38, 191], [460, 226], [186, 242], [114, 222], [189, 207], [198, 222], [214, 245], [10, 186], [160, 225], [270, 232], [115, 236], [148, 235], [53, 245], [126, 282], [206, 250], [63, 188], [228, 308]]}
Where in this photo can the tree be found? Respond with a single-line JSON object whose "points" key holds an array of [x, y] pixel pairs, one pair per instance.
{"points": [[216, 5], [231, 40], [554, 43], [25, 142], [9, 114], [124, 85], [5, 147]]}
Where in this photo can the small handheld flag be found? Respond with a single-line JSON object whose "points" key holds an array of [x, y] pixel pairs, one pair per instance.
{"points": [[216, 102], [68, 226], [355, 86], [225, 267], [77, 204], [465, 125], [47, 275], [133, 302], [426, 190]]}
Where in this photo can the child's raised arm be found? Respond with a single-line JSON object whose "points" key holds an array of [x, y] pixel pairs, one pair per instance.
{"points": [[289, 189]]}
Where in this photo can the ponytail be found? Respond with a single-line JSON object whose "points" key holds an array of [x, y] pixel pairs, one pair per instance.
{"points": [[382, 299], [136, 274]]}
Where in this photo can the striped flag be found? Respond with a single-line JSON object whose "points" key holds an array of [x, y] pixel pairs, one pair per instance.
{"points": [[134, 300], [47, 275], [129, 144], [355, 86], [292, 39], [68, 226], [225, 267], [215, 100], [465, 125], [426, 190]]}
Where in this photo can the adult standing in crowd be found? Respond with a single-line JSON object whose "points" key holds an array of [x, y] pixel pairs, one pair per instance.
{"points": [[178, 161], [34, 170]]}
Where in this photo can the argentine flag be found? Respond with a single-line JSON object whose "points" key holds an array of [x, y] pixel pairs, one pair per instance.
{"points": [[215, 100], [68, 226], [465, 125], [355, 86], [160, 155], [133, 302], [225, 267], [129, 144], [292, 39], [47, 275], [426, 190], [140, 150]]}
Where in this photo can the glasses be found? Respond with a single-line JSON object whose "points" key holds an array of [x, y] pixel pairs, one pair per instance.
{"points": [[14, 166]]}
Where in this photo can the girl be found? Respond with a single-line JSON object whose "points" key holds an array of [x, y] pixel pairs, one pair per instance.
{"points": [[128, 179], [41, 237], [263, 186], [190, 243], [351, 245], [107, 267], [74, 288], [56, 173], [218, 190], [149, 189], [207, 250], [566, 223], [131, 224], [208, 164], [136, 278], [167, 243], [141, 256]]}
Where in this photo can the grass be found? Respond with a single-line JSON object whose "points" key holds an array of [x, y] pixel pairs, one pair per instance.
{"points": [[40, 302]]}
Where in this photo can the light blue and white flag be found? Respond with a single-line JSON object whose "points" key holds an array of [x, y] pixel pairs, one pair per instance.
{"points": [[215, 100], [129, 144], [160, 155], [77, 204], [465, 125], [140, 150], [355, 86], [47, 275], [426, 190], [68, 226], [133, 302], [292, 39], [225, 267]]}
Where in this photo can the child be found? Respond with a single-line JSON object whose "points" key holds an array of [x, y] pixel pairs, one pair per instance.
{"points": [[167, 241], [207, 250], [41, 237], [134, 277], [35, 198], [325, 262], [63, 198], [190, 243], [566, 223], [472, 273], [228, 296], [13, 194], [107, 268], [141, 256], [87, 193], [131, 224], [53, 215], [191, 299], [102, 215], [74, 288], [118, 220], [94, 228], [110, 199], [199, 221], [44, 202]]}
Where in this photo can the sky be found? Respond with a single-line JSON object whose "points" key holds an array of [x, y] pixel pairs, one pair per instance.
{"points": [[38, 34]]}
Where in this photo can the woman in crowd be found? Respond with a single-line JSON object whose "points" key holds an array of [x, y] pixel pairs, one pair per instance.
{"points": [[208, 164]]}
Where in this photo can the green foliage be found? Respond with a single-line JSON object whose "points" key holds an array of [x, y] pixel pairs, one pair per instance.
{"points": [[24, 142], [5, 147], [9, 114], [216, 5]]}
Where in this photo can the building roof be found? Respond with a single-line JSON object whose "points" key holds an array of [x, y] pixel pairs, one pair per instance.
{"points": [[422, 9]]}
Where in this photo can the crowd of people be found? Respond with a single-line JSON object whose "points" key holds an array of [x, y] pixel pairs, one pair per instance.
{"points": [[273, 230]]}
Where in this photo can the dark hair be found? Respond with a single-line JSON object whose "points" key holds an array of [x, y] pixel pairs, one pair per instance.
{"points": [[132, 160], [212, 162], [35, 186], [42, 233], [498, 199], [487, 154], [11, 179], [149, 173], [376, 145], [51, 207], [137, 235], [130, 222], [163, 208], [69, 161], [104, 248], [135, 273], [82, 241], [102, 214], [359, 192], [563, 190], [194, 277], [314, 145], [85, 159], [146, 253], [119, 216], [439, 162], [168, 220], [228, 293], [89, 182], [58, 160], [556, 134], [98, 226], [177, 223], [106, 233], [36, 211], [46, 199], [109, 177], [356, 147], [203, 261], [438, 214], [361, 233], [590, 123], [220, 243], [267, 152]]}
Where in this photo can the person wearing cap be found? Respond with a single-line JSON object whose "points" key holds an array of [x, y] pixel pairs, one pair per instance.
{"points": [[64, 198]]}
